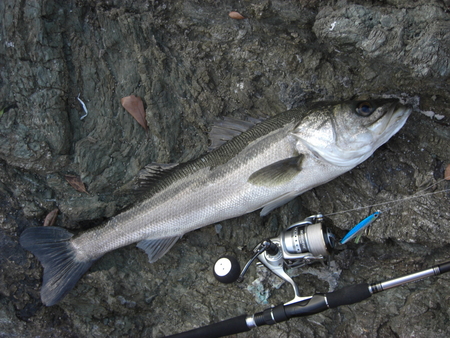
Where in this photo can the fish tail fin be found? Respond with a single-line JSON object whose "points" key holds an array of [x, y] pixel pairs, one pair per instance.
{"points": [[62, 269]]}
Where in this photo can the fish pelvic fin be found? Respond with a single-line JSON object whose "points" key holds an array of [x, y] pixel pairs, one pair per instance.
{"points": [[52, 247], [278, 202], [156, 248]]}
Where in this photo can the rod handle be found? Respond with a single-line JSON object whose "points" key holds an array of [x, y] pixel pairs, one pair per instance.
{"points": [[444, 267], [348, 295]]}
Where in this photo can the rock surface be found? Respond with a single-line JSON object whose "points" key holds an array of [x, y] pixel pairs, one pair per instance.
{"points": [[191, 63]]}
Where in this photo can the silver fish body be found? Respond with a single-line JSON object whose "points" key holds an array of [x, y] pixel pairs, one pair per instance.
{"points": [[264, 167]]}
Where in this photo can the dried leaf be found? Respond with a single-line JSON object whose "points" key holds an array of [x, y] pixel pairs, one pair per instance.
{"points": [[135, 106], [236, 15], [76, 183], [50, 219], [447, 173]]}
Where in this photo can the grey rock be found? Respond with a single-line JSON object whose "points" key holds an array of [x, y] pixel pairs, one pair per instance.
{"points": [[191, 63]]}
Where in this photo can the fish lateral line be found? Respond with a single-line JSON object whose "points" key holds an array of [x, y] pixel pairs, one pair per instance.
{"points": [[215, 186]]}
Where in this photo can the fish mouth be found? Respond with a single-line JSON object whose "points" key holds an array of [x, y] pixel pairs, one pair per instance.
{"points": [[391, 122], [353, 143]]}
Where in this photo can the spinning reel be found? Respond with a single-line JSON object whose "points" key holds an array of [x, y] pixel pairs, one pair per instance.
{"points": [[300, 244]]}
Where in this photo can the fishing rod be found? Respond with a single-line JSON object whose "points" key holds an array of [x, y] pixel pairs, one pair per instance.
{"points": [[308, 305], [300, 244]]}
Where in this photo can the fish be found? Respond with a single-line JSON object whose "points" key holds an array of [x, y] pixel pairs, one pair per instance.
{"points": [[253, 165]]}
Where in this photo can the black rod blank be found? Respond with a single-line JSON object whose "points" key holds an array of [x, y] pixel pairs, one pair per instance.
{"points": [[319, 302]]}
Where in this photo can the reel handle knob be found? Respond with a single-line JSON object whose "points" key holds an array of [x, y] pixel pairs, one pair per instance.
{"points": [[227, 269]]}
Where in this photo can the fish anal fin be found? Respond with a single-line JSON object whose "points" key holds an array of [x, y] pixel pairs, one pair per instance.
{"points": [[277, 173], [223, 130], [156, 248]]}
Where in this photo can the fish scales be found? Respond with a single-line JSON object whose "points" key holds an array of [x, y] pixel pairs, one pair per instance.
{"points": [[223, 154], [215, 180], [262, 168]]}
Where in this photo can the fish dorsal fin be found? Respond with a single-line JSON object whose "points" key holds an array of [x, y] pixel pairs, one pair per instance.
{"points": [[152, 172], [223, 130], [277, 173], [278, 202], [156, 248]]}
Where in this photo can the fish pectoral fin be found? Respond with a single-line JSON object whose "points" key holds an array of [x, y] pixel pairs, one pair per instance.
{"points": [[223, 130], [278, 202], [277, 173], [156, 248]]}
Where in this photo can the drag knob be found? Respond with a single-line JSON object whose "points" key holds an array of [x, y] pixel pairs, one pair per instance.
{"points": [[227, 269]]}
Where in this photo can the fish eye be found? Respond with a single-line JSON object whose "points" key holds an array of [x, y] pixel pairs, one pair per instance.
{"points": [[365, 108]]}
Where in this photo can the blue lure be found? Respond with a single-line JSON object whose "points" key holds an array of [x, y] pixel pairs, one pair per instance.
{"points": [[360, 227]]}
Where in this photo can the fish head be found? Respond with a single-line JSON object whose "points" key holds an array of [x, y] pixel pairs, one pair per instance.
{"points": [[345, 134]]}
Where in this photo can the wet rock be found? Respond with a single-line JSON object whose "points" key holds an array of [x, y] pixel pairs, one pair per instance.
{"points": [[191, 63]]}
